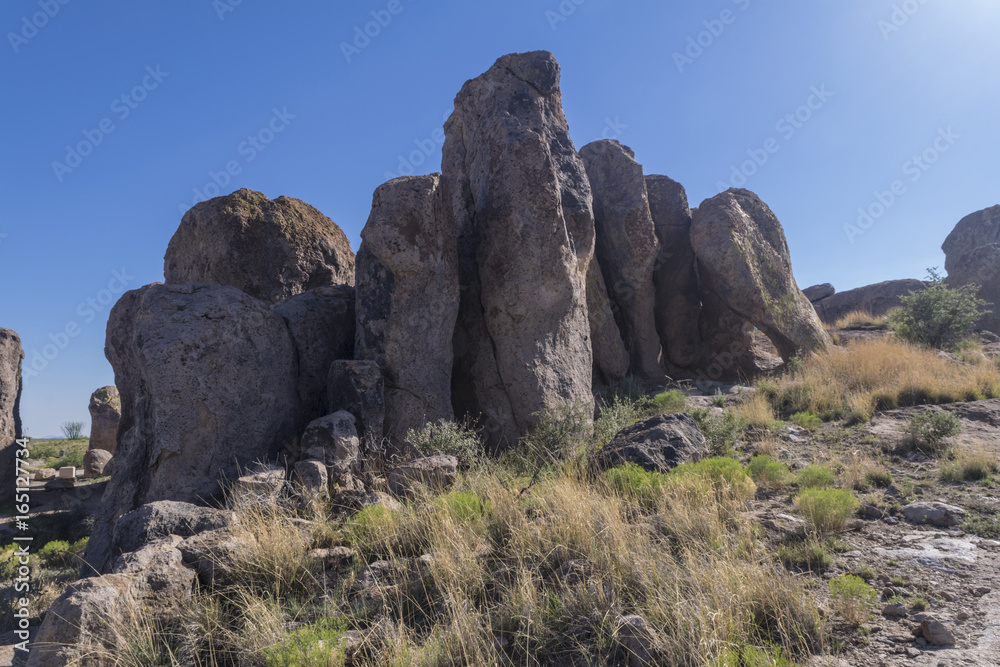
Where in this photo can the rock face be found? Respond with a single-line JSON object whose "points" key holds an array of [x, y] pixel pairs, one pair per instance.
{"points": [[11, 356], [334, 441], [522, 208], [436, 472], [269, 249], [819, 292], [678, 302], [105, 413], [972, 255], [627, 249], [876, 299], [208, 385], [743, 259], [357, 387], [658, 444], [321, 322], [611, 358], [407, 285]]}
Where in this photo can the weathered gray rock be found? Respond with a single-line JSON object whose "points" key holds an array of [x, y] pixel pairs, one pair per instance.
{"points": [[214, 555], [935, 632], [408, 295], [639, 639], [436, 473], [658, 444], [11, 356], [627, 249], [97, 463], [260, 486], [876, 300], [728, 351], [269, 249], [522, 207], [972, 256], [940, 515], [159, 578], [819, 292], [322, 324], [743, 259], [208, 385], [312, 480], [611, 358], [105, 414], [678, 301], [334, 441], [358, 387]]}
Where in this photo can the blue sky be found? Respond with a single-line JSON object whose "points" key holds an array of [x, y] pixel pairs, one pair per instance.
{"points": [[155, 100]]}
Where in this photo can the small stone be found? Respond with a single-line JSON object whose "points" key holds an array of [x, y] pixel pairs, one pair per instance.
{"points": [[936, 633], [983, 590], [939, 515], [894, 611]]}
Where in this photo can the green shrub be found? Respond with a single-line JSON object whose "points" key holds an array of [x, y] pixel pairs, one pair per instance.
{"points": [[919, 604], [815, 476], [561, 434], [938, 316], [72, 430], [617, 413], [754, 656], [722, 472], [635, 483], [463, 507], [670, 402], [928, 430], [852, 597], [769, 474], [826, 509], [984, 527], [446, 437], [807, 555], [806, 420], [316, 645], [880, 479], [720, 432]]}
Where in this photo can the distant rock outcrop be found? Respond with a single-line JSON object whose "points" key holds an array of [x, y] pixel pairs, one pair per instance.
{"points": [[819, 292], [105, 414], [743, 260], [11, 356], [972, 255], [408, 294], [269, 249], [876, 300], [522, 207], [208, 383]]}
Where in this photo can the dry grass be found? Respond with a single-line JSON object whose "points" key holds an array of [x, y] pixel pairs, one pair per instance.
{"points": [[970, 464], [855, 381], [862, 472], [862, 319]]}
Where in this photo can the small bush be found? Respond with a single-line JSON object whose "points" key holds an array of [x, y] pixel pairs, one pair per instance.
{"points": [[316, 645], [72, 430], [919, 604], [852, 598], [928, 430], [939, 316], [969, 466], [670, 402], [988, 528], [754, 656], [635, 483], [808, 555], [806, 420], [445, 437], [561, 434], [60, 553], [815, 476], [724, 473], [769, 474], [880, 479], [826, 509], [720, 432], [463, 507]]}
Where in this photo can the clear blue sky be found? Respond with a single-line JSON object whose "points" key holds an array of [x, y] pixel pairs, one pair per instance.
{"points": [[200, 77]]}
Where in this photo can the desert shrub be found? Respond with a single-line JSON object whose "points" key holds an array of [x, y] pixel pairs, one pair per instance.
{"points": [[769, 474], [463, 506], [561, 434], [939, 316], [928, 430], [446, 437], [814, 476], [670, 402], [60, 553], [617, 413], [805, 555], [755, 413], [969, 466], [852, 598], [826, 509], [806, 420], [986, 527], [314, 645], [720, 432], [754, 656], [72, 430], [636, 484], [723, 472]]}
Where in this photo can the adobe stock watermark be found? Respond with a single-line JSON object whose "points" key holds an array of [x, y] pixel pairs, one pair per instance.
{"points": [[900, 16], [223, 7], [87, 311], [704, 40], [31, 25], [121, 108], [562, 13], [410, 162], [370, 31], [914, 169], [247, 151], [786, 127]]}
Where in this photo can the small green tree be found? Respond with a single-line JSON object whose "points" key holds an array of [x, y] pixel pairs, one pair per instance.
{"points": [[939, 316], [72, 430]]}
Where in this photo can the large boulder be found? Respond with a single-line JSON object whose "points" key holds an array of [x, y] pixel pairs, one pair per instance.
{"points": [[972, 255], [322, 324], [627, 249], [657, 444], [105, 413], [522, 207], [269, 249], [819, 292], [208, 382], [358, 387], [97, 463], [11, 356], [407, 286], [743, 260], [875, 300], [678, 301], [435, 473], [611, 358]]}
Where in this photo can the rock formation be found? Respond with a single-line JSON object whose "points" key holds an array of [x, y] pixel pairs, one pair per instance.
{"points": [[972, 255], [105, 414], [627, 249], [522, 208], [743, 260], [269, 249], [611, 358], [11, 356], [358, 387], [678, 302], [819, 292], [207, 377], [875, 300], [407, 286]]}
